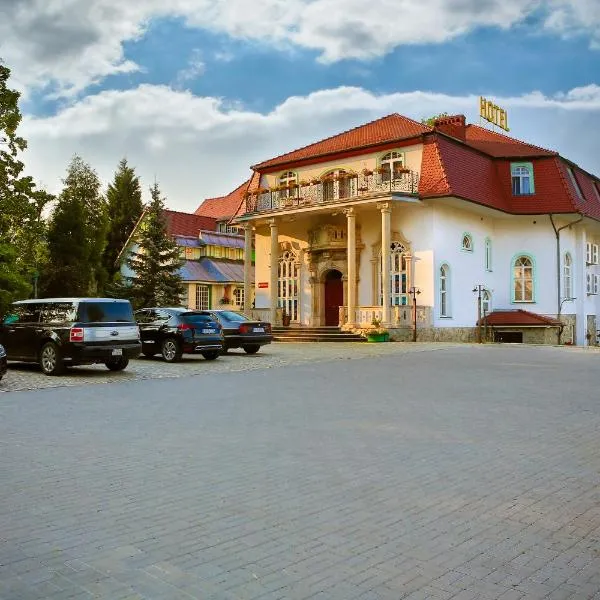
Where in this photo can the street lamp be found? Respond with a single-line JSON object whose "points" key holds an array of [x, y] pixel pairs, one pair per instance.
{"points": [[479, 288], [414, 292]]}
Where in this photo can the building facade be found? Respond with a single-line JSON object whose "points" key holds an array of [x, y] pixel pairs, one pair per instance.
{"points": [[448, 227]]}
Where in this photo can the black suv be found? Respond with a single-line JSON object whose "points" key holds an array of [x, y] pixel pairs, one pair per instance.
{"points": [[174, 331], [60, 332]]}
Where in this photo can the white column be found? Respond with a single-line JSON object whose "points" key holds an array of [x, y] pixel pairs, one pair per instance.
{"points": [[386, 235], [274, 268], [247, 267], [351, 239]]}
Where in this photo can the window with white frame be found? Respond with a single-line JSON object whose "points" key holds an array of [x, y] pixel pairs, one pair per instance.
{"points": [[567, 276], [444, 291], [486, 302], [488, 254], [467, 242], [522, 179], [224, 227], [523, 279], [238, 296], [202, 297], [392, 165], [287, 292], [592, 283], [287, 179], [591, 253], [398, 273]]}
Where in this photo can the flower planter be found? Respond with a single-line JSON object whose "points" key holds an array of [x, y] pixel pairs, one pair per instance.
{"points": [[378, 337]]}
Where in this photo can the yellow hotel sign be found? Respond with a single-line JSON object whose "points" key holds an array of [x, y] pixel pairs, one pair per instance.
{"points": [[492, 113]]}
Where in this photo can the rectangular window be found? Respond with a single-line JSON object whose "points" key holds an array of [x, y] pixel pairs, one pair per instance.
{"points": [[238, 297], [594, 254], [522, 179], [588, 253], [575, 183], [595, 284], [589, 283], [202, 297]]}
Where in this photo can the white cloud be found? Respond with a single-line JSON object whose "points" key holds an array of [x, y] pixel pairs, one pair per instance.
{"points": [[199, 147], [195, 68], [72, 43]]}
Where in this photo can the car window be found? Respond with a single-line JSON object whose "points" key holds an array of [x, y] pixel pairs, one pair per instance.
{"points": [[23, 313], [162, 315], [194, 317], [142, 316], [105, 312], [58, 312], [230, 315]]}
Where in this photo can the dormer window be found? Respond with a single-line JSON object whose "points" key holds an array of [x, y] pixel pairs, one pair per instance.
{"points": [[575, 183], [522, 179]]}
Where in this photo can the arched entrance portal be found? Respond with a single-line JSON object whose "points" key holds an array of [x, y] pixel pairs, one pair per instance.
{"points": [[334, 297]]}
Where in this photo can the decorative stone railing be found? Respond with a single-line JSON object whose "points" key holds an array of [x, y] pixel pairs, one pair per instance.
{"points": [[332, 190], [400, 316]]}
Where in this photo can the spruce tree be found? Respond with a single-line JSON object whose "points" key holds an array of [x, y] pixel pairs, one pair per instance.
{"points": [[156, 265], [124, 205], [22, 229], [77, 235]]}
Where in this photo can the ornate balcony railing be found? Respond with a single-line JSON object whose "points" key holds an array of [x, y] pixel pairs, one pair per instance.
{"points": [[332, 190]]}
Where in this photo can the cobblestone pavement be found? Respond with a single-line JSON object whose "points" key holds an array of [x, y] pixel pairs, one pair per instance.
{"points": [[23, 376], [440, 472]]}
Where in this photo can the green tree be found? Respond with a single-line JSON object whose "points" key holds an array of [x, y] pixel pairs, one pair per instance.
{"points": [[77, 235], [22, 228], [156, 280], [124, 204], [431, 120]]}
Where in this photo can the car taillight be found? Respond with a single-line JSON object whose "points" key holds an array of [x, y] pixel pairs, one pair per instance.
{"points": [[184, 326], [244, 328], [76, 334]]}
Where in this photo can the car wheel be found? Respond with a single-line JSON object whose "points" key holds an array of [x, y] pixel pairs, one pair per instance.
{"points": [[251, 349], [212, 355], [171, 351], [51, 360], [148, 353], [117, 364]]}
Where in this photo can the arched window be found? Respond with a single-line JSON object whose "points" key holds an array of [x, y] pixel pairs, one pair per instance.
{"points": [[286, 179], [444, 291], [568, 276], [392, 164], [486, 302], [336, 185], [521, 180], [523, 279], [467, 242], [287, 292], [488, 254], [398, 273]]}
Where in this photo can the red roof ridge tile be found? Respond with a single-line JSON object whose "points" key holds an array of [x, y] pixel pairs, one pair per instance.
{"points": [[277, 159]]}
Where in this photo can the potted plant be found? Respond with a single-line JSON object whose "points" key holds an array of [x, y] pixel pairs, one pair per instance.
{"points": [[377, 333], [367, 172], [315, 181], [224, 300]]}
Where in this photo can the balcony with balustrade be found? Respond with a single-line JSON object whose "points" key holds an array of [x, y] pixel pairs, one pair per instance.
{"points": [[343, 188]]}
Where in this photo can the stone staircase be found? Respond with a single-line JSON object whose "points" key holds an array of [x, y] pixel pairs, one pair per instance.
{"points": [[297, 334]]}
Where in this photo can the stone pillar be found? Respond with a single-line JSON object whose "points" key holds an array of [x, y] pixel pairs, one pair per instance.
{"points": [[386, 235], [247, 268], [273, 284], [351, 239]]}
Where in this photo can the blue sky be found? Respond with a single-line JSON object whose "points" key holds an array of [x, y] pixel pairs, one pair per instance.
{"points": [[196, 92]]}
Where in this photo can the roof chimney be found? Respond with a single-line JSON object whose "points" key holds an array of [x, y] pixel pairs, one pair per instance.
{"points": [[454, 126]]}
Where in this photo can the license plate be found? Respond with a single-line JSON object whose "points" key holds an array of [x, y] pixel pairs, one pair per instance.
{"points": [[209, 331], [259, 330], [117, 352]]}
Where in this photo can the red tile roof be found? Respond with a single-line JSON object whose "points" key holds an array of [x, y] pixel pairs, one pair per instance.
{"points": [[500, 145], [223, 207], [519, 318], [179, 223], [391, 128]]}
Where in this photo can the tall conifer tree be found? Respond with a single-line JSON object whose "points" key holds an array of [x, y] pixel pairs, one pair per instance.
{"points": [[156, 265], [77, 235], [124, 204]]}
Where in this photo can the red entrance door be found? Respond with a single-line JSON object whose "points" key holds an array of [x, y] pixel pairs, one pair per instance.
{"points": [[334, 297]]}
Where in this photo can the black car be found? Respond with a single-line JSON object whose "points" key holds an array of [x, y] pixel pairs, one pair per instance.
{"points": [[61, 332], [176, 331], [3, 362], [241, 331]]}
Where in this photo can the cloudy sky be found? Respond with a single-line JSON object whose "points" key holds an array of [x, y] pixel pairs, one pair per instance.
{"points": [[193, 92]]}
